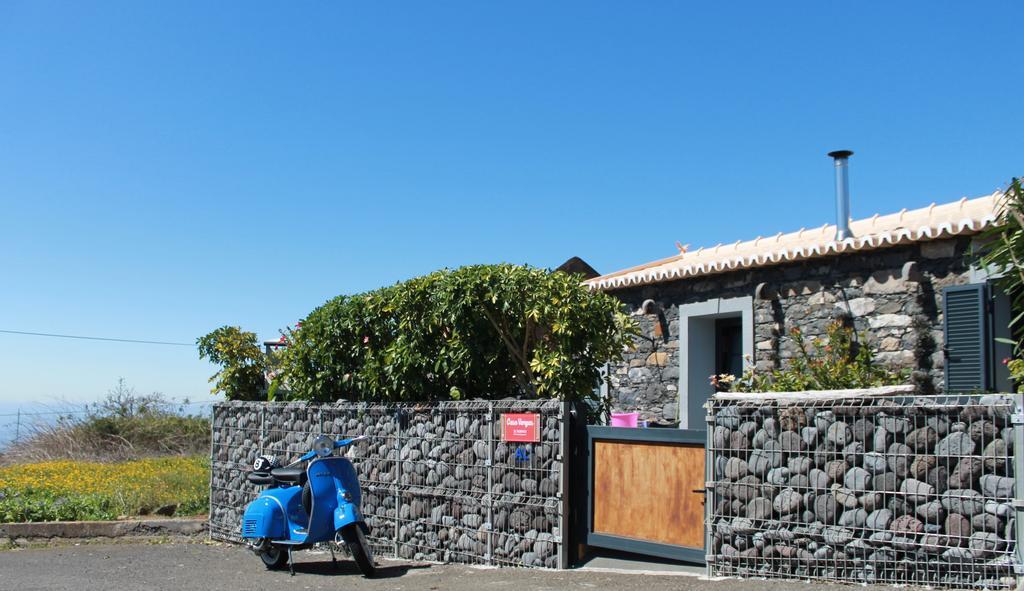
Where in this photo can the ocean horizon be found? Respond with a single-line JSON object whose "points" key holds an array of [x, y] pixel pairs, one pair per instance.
{"points": [[34, 413]]}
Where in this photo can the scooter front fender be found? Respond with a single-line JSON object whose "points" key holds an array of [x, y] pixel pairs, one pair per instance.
{"points": [[348, 513]]}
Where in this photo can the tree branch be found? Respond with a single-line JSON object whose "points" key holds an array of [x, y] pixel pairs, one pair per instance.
{"points": [[523, 364]]}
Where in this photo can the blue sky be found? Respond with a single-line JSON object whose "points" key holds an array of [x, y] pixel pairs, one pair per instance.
{"points": [[166, 168]]}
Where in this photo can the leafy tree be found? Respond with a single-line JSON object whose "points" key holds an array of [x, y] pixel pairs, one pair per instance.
{"points": [[1002, 251], [243, 364], [481, 331]]}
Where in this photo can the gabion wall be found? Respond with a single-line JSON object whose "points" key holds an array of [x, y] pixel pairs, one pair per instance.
{"points": [[895, 490], [438, 483]]}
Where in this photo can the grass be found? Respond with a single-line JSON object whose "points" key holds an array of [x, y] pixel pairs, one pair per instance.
{"points": [[66, 490]]}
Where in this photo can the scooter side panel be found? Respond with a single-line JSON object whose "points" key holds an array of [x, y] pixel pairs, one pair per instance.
{"points": [[263, 518], [278, 515]]}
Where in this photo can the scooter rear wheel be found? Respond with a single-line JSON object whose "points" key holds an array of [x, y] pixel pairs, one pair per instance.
{"points": [[274, 557], [360, 549]]}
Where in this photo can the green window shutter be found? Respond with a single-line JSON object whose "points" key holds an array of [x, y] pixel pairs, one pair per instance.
{"points": [[965, 324]]}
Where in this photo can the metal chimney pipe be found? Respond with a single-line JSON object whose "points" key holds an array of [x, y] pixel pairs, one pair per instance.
{"points": [[842, 163]]}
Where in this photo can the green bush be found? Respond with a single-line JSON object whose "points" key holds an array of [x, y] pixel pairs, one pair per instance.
{"points": [[157, 433], [484, 331], [44, 505], [837, 362]]}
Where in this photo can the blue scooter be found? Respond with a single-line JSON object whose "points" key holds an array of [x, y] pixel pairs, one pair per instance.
{"points": [[303, 507]]}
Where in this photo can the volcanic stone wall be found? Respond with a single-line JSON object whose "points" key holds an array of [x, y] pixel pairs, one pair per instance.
{"points": [[892, 296], [898, 490], [438, 483]]}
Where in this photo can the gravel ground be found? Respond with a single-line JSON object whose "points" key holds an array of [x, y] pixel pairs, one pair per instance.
{"points": [[177, 566]]}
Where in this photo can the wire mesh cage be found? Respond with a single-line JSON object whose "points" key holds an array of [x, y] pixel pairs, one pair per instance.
{"points": [[867, 489], [438, 482]]}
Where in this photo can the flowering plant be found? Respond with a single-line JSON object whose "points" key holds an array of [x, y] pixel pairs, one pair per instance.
{"points": [[1016, 367], [836, 362], [722, 381]]}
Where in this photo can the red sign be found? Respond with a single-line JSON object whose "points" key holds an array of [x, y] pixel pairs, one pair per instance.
{"points": [[523, 427]]}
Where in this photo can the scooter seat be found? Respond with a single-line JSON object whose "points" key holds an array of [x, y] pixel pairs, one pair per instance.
{"points": [[297, 475], [260, 478]]}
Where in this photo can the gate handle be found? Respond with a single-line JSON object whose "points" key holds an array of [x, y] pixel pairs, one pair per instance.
{"points": [[702, 491]]}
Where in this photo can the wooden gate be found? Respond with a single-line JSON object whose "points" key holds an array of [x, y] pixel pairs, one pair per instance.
{"points": [[647, 491]]}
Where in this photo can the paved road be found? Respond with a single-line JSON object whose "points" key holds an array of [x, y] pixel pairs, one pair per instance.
{"points": [[182, 566]]}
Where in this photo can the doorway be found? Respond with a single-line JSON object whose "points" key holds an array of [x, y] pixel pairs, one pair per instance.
{"points": [[714, 338]]}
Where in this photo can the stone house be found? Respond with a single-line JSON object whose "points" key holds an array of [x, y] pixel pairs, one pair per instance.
{"points": [[904, 281]]}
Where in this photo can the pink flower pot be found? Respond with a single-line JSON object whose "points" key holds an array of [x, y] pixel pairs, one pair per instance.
{"points": [[625, 419]]}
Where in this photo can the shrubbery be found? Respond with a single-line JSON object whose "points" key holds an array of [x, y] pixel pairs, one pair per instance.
{"points": [[839, 361], [125, 425], [484, 331]]}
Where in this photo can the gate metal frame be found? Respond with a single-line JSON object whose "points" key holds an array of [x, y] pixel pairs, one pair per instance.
{"points": [[1018, 486], [655, 435]]}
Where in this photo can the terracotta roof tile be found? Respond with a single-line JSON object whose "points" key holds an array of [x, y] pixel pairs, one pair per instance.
{"points": [[963, 217]]}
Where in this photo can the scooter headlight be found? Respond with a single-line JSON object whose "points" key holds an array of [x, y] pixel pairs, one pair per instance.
{"points": [[323, 446]]}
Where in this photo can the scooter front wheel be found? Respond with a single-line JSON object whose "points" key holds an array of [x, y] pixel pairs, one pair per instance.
{"points": [[274, 557], [360, 548]]}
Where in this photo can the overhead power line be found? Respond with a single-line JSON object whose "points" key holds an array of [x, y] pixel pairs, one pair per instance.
{"points": [[28, 413], [71, 336]]}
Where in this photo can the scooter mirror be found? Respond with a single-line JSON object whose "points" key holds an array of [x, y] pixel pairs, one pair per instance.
{"points": [[323, 446]]}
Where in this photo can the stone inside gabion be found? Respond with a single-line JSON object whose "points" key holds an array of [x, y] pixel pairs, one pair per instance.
{"points": [[897, 490], [438, 484]]}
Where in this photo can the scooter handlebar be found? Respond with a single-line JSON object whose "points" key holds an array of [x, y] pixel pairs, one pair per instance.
{"points": [[309, 455], [345, 442]]}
